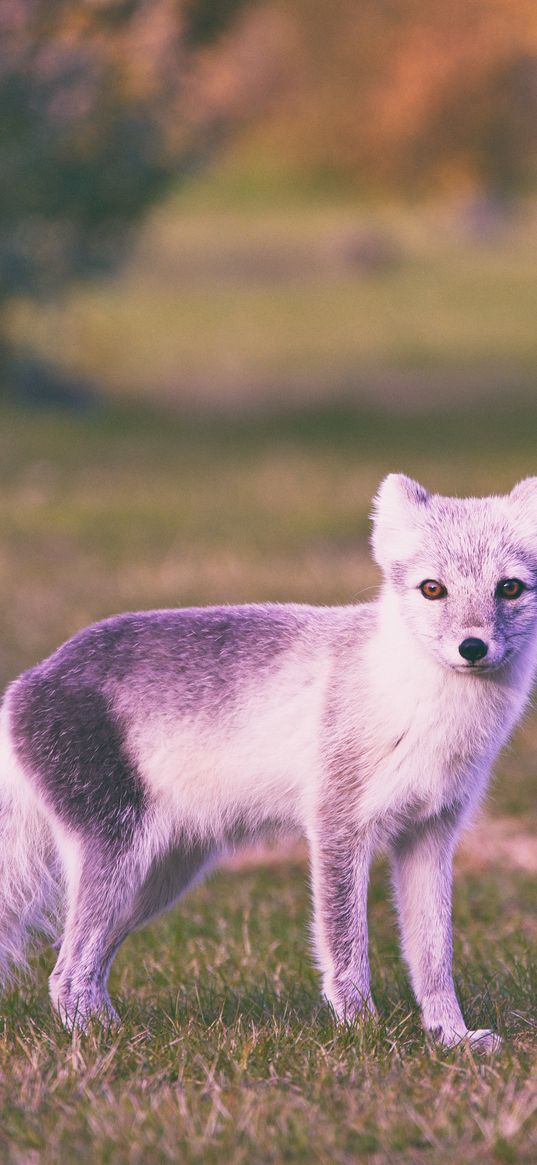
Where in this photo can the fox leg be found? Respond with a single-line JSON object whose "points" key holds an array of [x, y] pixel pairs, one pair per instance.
{"points": [[422, 860], [340, 860], [113, 895]]}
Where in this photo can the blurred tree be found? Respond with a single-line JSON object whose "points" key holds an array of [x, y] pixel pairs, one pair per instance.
{"points": [[103, 106], [107, 102]]}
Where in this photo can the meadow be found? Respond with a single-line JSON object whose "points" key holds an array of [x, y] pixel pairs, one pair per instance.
{"points": [[226, 1052], [268, 299]]}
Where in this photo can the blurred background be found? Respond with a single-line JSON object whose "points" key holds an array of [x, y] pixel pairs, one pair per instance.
{"points": [[254, 254]]}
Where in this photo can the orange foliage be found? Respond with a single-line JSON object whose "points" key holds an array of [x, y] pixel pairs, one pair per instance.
{"points": [[401, 92]]}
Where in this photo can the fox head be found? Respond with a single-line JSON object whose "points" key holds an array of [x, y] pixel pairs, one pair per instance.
{"points": [[463, 571]]}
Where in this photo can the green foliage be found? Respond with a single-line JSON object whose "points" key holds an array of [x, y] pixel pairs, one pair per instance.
{"points": [[205, 19], [97, 120]]}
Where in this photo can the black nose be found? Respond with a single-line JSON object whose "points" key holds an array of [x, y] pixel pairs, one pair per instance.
{"points": [[472, 649]]}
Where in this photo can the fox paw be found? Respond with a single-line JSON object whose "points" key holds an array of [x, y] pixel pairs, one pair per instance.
{"points": [[481, 1040], [77, 1012]]}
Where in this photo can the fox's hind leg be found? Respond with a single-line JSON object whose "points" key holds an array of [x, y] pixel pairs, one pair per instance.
{"points": [[112, 895], [122, 864]]}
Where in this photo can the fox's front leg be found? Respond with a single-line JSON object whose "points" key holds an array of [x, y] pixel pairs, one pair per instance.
{"points": [[422, 866], [340, 858]]}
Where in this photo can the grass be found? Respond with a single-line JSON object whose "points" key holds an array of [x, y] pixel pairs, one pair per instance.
{"points": [[224, 306], [124, 508], [226, 1052]]}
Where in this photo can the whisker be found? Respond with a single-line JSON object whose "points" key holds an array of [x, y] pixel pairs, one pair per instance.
{"points": [[364, 590]]}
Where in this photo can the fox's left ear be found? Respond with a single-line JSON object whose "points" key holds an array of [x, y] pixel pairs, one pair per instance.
{"points": [[397, 509], [523, 503]]}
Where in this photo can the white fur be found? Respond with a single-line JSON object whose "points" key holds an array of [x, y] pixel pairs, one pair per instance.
{"points": [[368, 730], [31, 880], [204, 773]]}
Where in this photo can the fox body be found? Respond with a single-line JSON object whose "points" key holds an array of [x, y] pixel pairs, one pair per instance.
{"points": [[151, 744]]}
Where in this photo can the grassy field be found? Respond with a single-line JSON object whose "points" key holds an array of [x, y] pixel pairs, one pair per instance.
{"points": [[225, 1052], [270, 303], [352, 343]]}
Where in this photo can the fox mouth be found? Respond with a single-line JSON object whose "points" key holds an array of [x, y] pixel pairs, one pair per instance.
{"points": [[479, 666]]}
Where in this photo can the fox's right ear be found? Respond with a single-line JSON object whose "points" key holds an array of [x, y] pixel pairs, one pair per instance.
{"points": [[396, 510], [523, 500]]}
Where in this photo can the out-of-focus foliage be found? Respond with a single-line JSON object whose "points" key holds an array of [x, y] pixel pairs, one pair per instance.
{"points": [[404, 94], [104, 102]]}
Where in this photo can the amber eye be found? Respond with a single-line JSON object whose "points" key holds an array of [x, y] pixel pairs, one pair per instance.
{"points": [[431, 589], [510, 588]]}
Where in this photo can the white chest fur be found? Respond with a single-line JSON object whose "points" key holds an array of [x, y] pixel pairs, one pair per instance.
{"points": [[431, 733]]}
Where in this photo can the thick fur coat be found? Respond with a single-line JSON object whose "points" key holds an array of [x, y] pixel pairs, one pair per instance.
{"points": [[151, 744]]}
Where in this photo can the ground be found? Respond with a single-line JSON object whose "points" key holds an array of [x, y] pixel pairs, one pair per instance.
{"points": [[226, 1052]]}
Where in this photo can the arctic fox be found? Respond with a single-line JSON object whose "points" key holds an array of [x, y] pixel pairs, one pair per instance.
{"points": [[151, 744]]}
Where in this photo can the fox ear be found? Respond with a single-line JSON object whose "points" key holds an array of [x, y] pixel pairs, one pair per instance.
{"points": [[523, 503], [396, 510]]}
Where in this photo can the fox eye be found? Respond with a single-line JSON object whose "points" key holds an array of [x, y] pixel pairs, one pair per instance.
{"points": [[510, 588], [432, 589]]}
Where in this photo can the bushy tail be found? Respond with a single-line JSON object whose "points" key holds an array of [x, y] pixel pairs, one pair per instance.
{"points": [[30, 871]]}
